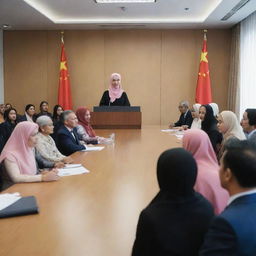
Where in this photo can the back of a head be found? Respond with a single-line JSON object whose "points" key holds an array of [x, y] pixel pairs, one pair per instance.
{"points": [[240, 158], [197, 142], [176, 172]]}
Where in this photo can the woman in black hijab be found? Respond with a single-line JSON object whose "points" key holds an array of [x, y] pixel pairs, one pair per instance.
{"points": [[209, 125], [176, 220]]}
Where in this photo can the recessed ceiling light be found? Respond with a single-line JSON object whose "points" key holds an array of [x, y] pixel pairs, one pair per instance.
{"points": [[123, 1], [6, 26]]}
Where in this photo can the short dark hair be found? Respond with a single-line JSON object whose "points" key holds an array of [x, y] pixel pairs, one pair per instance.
{"points": [[29, 106], [251, 113], [240, 158]]}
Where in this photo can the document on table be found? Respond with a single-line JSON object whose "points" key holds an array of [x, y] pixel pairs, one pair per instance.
{"points": [[8, 199], [169, 130], [75, 169], [88, 149]]}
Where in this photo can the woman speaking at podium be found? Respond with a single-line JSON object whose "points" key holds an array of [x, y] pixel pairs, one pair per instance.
{"points": [[115, 95]]}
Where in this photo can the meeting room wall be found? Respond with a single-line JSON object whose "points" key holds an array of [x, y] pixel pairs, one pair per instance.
{"points": [[158, 67]]}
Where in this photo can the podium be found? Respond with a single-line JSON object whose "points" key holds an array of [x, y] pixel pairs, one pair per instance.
{"points": [[116, 117]]}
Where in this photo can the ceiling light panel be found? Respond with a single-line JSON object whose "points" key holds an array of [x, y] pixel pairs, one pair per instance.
{"points": [[123, 1]]}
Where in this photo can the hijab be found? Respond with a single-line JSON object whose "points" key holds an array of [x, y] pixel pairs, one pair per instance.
{"points": [[80, 113], [215, 108], [233, 127], [176, 172], [208, 184], [209, 122], [115, 93], [196, 124], [17, 149]]}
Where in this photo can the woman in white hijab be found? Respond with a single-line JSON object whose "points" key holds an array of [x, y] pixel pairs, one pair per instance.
{"points": [[215, 108], [230, 128], [196, 124]]}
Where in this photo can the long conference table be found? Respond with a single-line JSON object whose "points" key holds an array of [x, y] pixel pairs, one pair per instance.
{"points": [[93, 214]]}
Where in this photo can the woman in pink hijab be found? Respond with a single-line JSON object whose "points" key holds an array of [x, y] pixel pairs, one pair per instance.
{"points": [[19, 158], [115, 95], [208, 184]]}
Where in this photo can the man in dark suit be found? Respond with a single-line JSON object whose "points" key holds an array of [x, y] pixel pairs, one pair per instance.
{"points": [[67, 137], [186, 118], [233, 232]]}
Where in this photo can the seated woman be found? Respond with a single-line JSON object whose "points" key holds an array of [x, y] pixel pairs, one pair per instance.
{"points": [[85, 130], [57, 110], [196, 124], [176, 220], [29, 114], [209, 125], [18, 156], [215, 108], [207, 183], [7, 127], [114, 96], [230, 128], [45, 143]]}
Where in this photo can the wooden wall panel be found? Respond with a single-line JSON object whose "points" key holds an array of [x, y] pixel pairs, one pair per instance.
{"points": [[158, 67]]}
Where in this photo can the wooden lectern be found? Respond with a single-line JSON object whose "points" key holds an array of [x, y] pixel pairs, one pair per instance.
{"points": [[116, 117]]}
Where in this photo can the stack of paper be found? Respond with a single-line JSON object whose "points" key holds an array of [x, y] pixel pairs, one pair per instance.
{"points": [[8, 199], [72, 169], [88, 149]]}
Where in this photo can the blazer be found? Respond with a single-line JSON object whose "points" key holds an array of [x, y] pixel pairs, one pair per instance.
{"points": [[185, 120], [122, 101], [66, 143], [173, 226], [233, 232]]}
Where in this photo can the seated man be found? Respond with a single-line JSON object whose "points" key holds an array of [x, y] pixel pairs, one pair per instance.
{"points": [[186, 118], [67, 137], [233, 232], [248, 123]]}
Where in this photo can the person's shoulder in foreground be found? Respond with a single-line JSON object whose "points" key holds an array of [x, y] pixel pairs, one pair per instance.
{"points": [[233, 232]]}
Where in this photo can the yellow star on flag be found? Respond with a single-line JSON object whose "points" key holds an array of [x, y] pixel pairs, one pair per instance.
{"points": [[203, 56], [63, 65]]}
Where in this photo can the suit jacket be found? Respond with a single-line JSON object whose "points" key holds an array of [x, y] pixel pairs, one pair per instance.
{"points": [[185, 120], [234, 231], [173, 227], [66, 142]]}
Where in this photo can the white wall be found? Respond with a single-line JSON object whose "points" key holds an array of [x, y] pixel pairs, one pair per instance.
{"points": [[1, 69]]}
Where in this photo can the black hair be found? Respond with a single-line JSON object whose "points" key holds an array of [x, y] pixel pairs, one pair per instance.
{"points": [[28, 107], [43, 102], [240, 158], [55, 115], [6, 114], [251, 113]]}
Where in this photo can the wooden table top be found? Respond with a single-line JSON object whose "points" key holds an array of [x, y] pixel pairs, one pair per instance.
{"points": [[93, 214]]}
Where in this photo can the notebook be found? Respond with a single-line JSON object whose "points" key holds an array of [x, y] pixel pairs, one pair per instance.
{"points": [[23, 206]]}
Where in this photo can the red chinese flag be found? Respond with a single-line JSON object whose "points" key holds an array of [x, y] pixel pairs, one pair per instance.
{"points": [[64, 96], [203, 89]]}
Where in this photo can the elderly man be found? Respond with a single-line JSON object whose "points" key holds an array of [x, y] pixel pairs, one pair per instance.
{"points": [[67, 137], [233, 232], [186, 118]]}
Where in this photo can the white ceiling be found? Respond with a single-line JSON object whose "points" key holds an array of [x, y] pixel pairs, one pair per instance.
{"points": [[86, 14]]}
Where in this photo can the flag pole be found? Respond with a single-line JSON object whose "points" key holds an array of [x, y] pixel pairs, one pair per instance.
{"points": [[62, 36], [205, 33]]}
